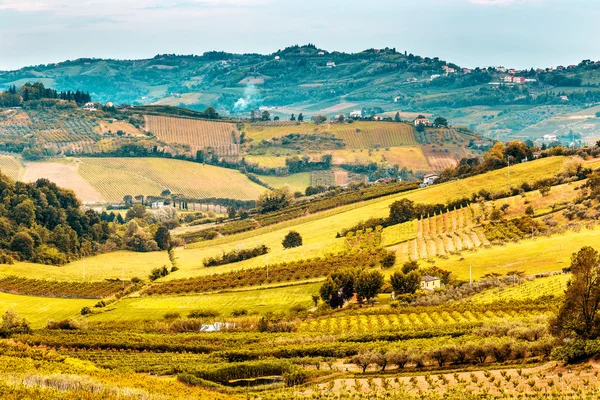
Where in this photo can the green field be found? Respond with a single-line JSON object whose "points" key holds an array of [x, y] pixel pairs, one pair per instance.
{"points": [[39, 310], [296, 182], [261, 301]]}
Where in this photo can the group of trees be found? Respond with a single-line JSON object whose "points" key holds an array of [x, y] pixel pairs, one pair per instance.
{"points": [[15, 97], [341, 286]]}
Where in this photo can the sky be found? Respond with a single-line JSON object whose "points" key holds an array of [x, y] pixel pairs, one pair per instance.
{"points": [[512, 33]]}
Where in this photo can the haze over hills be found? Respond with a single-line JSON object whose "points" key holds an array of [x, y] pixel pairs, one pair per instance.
{"points": [[500, 102]]}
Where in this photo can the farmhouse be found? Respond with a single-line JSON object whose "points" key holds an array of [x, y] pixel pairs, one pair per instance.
{"points": [[435, 76], [564, 98], [356, 114], [430, 282], [422, 121], [429, 179], [158, 204], [89, 107], [549, 138], [330, 64]]}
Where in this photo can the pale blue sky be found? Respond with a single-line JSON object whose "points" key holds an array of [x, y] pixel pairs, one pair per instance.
{"points": [[517, 33]]}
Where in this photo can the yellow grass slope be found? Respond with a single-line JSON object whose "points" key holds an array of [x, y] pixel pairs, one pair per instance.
{"points": [[117, 177]]}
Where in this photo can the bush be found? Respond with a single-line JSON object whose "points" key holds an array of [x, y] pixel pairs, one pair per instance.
{"points": [[203, 314], [292, 239], [159, 273], [239, 312], [12, 324], [67, 324], [172, 315], [295, 378], [236, 256], [86, 311]]}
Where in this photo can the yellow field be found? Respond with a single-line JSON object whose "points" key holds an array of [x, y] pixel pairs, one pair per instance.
{"points": [[542, 254], [319, 230], [267, 161], [410, 157], [114, 127], [11, 166], [117, 177], [296, 182], [198, 134], [115, 265], [38, 310], [358, 135], [262, 300]]}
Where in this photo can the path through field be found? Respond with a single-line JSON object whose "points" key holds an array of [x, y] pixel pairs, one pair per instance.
{"points": [[64, 175]]}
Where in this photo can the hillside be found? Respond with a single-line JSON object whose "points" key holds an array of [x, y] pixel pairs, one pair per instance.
{"points": [[298, 80], [151, 321], [101, 180]]}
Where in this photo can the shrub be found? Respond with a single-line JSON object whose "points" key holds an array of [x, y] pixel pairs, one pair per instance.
{"points": [[85, 311], [236, 256], [67, 324], [203, 314], [172, 315], [159, 273], [292, 239], [295, 377], [12, 324], [239, 312]]}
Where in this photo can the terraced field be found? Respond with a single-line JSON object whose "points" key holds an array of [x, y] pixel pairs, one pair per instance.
{"points": [[117, 177]]}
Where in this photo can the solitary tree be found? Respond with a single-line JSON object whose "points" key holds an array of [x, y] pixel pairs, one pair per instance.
{"points": [[162, 237], [292, 239], [300, 117], [397, 117], [578, 314]]}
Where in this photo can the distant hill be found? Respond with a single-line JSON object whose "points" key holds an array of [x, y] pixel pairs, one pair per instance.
{"points": [[502, 103]]}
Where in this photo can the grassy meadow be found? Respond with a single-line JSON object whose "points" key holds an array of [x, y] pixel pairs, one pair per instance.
{"points": [[114, 265], [257, 300]]}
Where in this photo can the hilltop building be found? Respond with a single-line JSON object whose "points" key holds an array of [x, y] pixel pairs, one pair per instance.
{"points": [[430, 179], [422, 121]]}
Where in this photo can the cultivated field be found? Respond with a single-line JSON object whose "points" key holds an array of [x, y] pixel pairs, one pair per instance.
{"points": [[64, 175], [296, 182], [222, 137], [11, 166], [117, 177]]}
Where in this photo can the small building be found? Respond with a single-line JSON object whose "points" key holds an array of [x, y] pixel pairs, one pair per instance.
{"points": [[356, 114], [429, 282], [277, 58], [413, 79], [549, 138], [564, 98], [321, 53], [397, 99], [434, 76], [430, 179], [89, 107], [330, 64], [158, 204], [467, 70], [422, 121]]}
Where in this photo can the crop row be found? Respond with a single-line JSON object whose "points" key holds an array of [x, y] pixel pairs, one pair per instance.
{"points": [[197, 134], [384, 135], [367, 324], [284, 272], [39, 287]]}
